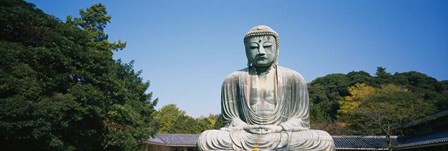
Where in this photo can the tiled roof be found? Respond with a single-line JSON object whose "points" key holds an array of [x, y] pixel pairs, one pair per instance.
{"points": [[429, 139], [155, 139], [188, 140], [426, 119], [341, 142], [361, 142]]}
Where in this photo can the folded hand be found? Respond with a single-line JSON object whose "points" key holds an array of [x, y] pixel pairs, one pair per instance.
{"points": [[262, 129]]}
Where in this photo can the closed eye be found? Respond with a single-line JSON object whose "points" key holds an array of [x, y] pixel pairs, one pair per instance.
{"points": [[253, 45], [267, 44]]}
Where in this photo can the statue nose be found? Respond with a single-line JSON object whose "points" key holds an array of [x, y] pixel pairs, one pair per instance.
{"points": [[261, 50]]}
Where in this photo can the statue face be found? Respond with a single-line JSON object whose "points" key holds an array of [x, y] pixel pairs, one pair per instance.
{"points": [[261, 51]]}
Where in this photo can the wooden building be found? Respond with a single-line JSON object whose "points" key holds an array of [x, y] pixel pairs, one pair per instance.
{"points": [[428, 133]]}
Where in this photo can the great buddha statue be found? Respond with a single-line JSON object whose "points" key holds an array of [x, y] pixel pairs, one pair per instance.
{"points": [[265, 106]]}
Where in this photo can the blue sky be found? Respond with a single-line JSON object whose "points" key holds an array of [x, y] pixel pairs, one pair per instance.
{"points": [[186, 48]]}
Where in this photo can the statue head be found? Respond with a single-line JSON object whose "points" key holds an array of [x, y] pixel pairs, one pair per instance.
{"points": [[261, 45]]}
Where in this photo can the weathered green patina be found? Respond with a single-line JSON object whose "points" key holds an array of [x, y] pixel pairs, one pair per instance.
{"points": [[265, 105]]}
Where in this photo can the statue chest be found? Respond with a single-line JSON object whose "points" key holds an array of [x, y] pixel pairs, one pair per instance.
{"points": [[262, 93]]}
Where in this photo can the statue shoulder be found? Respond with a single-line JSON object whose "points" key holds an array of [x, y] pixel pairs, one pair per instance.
{"points": [[236, 75], [290, 73]]}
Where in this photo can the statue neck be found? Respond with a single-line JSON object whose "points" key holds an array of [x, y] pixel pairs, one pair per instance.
{"points": [[262, 70]]}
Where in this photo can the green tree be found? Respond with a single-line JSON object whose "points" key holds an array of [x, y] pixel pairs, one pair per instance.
{"points": [[382, 77], [219, 121], [174, 120], [360, 77], [60, 89], [324, 93], [167, 116], [424, 85]]}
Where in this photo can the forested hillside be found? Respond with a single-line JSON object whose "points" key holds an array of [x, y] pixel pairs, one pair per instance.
{"points": [[342, 103]]}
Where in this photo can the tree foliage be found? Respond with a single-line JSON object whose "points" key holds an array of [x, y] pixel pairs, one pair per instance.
{"points": [[60, 89], [351, 103], [174, 120], [324, 93], [335, 96], [381, 111], [369, 108]]}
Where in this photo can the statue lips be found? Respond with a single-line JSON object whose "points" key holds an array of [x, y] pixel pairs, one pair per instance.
{"points": [[261, 57]]}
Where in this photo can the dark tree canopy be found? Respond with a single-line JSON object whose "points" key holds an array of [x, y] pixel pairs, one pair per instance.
{"points": [[60, 89], [324, 93]]}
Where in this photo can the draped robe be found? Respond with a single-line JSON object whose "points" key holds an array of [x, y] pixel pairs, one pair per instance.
{"points": [[291, 112]]}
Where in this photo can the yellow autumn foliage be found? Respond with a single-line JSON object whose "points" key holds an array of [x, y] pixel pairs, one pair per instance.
{"points": [[357, 93]]}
